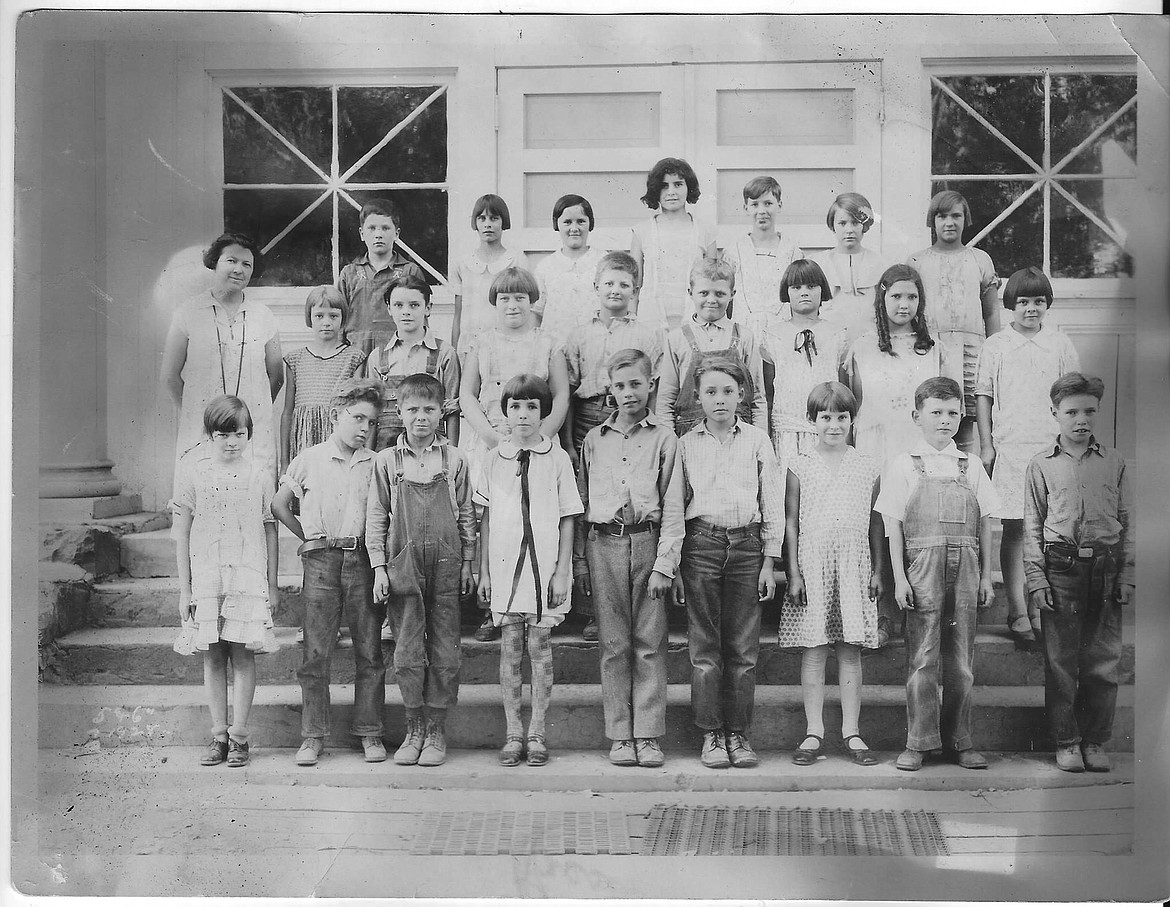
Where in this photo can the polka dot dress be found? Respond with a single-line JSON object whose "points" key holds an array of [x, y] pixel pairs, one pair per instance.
{"points": [[835, 505]]}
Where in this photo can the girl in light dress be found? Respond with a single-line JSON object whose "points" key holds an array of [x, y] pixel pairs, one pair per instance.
{"points": [[225, 545], [833, 539], [314, 372], [666, 245], [962, 305], [852, 269], [1016, 369], [220, 343], [804, 352], [473, 276], [530, 502], [564, 279]]}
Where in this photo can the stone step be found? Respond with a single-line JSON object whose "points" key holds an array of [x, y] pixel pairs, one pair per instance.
{"points": [[93, 544], [153, 601], [146, 554], [1005, 719], [143, 655]]}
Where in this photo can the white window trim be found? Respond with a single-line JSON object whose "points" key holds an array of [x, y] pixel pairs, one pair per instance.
{"points": [[219, 80], [1068, 287]]}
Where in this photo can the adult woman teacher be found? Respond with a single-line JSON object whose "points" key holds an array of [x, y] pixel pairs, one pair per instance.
{"points": [[220, 343]]}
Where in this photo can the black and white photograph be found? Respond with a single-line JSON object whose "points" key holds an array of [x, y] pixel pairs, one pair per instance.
{"points": [[469, 454]]}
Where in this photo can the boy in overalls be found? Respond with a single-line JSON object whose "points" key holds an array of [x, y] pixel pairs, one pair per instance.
{"points": [[708, 334], [420, 532], [412, 349], [938, 503]]}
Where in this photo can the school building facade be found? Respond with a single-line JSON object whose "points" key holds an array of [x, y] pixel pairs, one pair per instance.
{"points": [[140, 134]]}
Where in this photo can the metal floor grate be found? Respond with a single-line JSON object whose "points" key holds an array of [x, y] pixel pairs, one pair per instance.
{"points": [[755, 831], [518, 833]]}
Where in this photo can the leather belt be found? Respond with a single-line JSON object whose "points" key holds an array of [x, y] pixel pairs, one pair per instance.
{"points": [[345, 543], [1084, 553], [619, 529], [751, 529]]}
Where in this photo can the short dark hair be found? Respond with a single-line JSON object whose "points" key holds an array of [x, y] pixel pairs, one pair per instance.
{"points": [[568, 201], [725, 365], [410, 278], [656, 181], [382, 206], [514, 280], [944, 201], [421, 386], [492, 204], [1072, 384], [855, 205], [627, 358], [1026, 282], [617, 261], [939, 388], [232, 238], [357, 390], [329, 295], [804, 272], [527, 387], [226, 413], [760, 185], [831, 397]]}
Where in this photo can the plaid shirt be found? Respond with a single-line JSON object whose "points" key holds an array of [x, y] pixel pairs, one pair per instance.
{"points": [[397, 359], [735, 482], [364, 288], [588, 350]]}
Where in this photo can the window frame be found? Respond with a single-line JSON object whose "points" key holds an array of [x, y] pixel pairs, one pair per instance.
{"points": [[1087, 288], [218, 80]]}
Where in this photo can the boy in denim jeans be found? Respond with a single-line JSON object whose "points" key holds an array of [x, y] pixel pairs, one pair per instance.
{"points": [[627, 553], [938, 503], [734, 510], [420, 528], [1079, 571], [331, 481]]}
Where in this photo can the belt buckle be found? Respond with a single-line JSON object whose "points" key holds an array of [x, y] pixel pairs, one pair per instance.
{"points": [[621, 530], [1085, 552], [353, 543]]}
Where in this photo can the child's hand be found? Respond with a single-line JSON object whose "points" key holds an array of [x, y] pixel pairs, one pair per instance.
{"points": [[273, 596], [987, 455], [381, 585], [678, 593], [1125, 593], [485, 587], [1041, 600], [795, 595], [583, 585], [558, 589], [876, 587], [986, 592], [185, 610], [466, 579], [903, 595], [766, 584], [659, 586]]}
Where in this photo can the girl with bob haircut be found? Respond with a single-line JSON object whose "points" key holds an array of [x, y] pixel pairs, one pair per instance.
{"points": [[853, 271], [665, 245], [472, 277], [225, 548], [567, 297]]}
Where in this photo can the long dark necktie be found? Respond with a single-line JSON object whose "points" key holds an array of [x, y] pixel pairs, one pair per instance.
{"points": [[528, 542], [805, 343]]}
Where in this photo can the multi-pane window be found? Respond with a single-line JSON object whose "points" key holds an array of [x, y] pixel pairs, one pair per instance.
{"points": [[299, 162], [1047, 162]]}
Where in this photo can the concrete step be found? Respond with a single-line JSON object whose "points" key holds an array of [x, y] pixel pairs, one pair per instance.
{"points": [[127, 601], [143, 655], [1005, 719], [153, 554]]}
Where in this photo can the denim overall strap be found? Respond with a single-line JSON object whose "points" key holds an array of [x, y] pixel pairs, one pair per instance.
{"points": [[942, 511], [687, 409], [389, 422], [418, 510]]}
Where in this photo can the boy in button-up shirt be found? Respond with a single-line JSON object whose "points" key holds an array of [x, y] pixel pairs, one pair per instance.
{"points": [[331, 480], [1079, 570], [631, 485]]}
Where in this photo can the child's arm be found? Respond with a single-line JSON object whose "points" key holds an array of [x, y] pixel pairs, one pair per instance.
{"points": [[449, 375], [558, 382], [465, 521], [1035, 513], [469, 401], [795, 594], [562, 578], [639, 256], [986, 586], [174, 358], [877, 538], [769, 390], [272, 545], [456, 320], [282, 510], [181, 523], [286, 416], [378, 505], [755, 364], [983, 417], [1125, 575], [989, 298], [274, 364], [668, 385], [485, 576], [903, 594]]}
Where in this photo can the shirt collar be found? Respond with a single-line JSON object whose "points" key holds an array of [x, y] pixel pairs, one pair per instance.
{"points": [[922, 449], [359, 454], [428, 340], [616, 319], [647, 421], [509, 451], [723, 323], [701, 427], [1045, 339], [394, 262], [438, 442], [1094, 447]]}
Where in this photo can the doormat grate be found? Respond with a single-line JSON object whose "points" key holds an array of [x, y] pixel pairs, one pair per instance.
{"points": [[519, 833], [759, 831]]}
